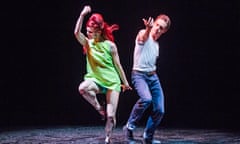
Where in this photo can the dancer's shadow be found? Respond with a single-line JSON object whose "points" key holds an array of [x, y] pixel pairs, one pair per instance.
{"points": [[135, 141]]}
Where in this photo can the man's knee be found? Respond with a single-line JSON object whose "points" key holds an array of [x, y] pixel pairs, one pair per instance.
{"points": [[160, 112], [145, 102]]}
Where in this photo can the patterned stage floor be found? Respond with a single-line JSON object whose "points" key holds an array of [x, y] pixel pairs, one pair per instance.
{"points": [[95, 135]]}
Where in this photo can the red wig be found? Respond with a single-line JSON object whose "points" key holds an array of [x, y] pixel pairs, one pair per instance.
{"points": [[97, 22]]}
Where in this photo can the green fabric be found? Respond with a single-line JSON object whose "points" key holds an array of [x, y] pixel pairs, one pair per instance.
{"points": [[100, 67]]}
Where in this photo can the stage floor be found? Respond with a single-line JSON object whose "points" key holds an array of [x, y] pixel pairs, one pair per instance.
{"points": [[95, 135]]}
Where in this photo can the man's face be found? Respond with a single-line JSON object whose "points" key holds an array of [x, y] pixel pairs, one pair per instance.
{"points": [[159, 27]]}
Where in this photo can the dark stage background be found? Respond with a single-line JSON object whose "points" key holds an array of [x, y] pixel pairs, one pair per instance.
{"points": [[42, 62]]}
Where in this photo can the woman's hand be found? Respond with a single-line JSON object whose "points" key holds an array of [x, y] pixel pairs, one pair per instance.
{"points": [[126, 87], [86, 10]]}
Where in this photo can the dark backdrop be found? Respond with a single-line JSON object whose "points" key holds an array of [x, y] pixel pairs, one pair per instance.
{"points": [[42, 63]]}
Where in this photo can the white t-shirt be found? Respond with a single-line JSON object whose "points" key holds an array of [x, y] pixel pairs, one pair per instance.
{"points": [[145, 55]]}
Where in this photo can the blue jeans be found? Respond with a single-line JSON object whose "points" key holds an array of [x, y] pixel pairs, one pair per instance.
{"points": [[150, 93]]}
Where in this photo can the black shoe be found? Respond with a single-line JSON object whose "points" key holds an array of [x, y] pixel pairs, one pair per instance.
{"points": [[128, 133]]}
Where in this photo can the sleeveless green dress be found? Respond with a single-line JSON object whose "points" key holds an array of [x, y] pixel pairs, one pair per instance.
{"points": [[100, 67]]}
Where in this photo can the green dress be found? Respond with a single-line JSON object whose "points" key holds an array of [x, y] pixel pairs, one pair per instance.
{"points": [[100, 67]]}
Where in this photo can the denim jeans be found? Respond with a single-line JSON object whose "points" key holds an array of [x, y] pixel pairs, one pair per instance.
{"points": [[150, 93]]}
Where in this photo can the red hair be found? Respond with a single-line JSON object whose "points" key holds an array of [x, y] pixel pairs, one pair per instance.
{"points": [[97, 22]]}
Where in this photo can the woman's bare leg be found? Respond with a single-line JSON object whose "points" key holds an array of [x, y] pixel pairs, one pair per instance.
{"points": [[112, 98], [88, 89]]}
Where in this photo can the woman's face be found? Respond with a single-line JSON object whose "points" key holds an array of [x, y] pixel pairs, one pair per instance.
{"points": [[93, 33]]}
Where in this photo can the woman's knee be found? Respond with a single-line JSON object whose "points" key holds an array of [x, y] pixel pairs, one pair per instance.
{"points": [[81, 90], [111, 111]]}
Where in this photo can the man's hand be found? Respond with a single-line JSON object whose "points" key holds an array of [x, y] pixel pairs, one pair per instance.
{"points": [[148, 23]]}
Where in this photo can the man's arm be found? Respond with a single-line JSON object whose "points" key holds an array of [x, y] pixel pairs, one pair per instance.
{"points": [[144, 34]]}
